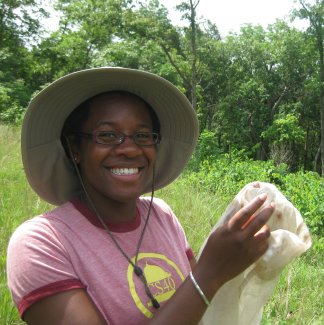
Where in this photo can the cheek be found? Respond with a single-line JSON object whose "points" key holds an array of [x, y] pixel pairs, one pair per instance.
{"points": [[93, 153], [90, 160], [151, 154]]}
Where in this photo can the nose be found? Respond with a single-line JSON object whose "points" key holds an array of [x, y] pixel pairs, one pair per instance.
{"points": [[128, 147], [127, 136]]}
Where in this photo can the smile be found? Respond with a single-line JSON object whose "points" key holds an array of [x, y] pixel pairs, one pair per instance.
{"points": [[124, 171]]}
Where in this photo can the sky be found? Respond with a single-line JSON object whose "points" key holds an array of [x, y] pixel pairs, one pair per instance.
{"points": [[230, 15]]}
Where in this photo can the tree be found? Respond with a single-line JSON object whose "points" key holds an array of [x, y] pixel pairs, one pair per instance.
{"points": [[86, 27], [191, 7], [181, 46], [20, 19], [285, 134], [19, 27], [149, 22], [315, 14], [295, 69], [263, 75]]}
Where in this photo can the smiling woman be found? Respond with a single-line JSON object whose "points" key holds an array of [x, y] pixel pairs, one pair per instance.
{"points": [[93, 142], [115, 169]]}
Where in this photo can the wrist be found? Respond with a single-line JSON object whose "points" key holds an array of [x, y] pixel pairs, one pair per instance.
{"points": [[199, 290], [207, 282]]}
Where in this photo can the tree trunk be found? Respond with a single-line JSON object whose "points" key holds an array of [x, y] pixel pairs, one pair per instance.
{"points": [[315, 16], [322, 129], [193, 7], [320, 48], [306, 146], [316, 159], [320, 38]]}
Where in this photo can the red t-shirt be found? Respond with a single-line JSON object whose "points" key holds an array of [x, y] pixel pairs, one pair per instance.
{"points": [[68, 248]]}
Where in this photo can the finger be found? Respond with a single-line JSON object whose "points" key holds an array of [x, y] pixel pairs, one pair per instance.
{"points": [[241, 217], [262, 234], [256, 185], [260, 242], [262, 248], [257, 223]]}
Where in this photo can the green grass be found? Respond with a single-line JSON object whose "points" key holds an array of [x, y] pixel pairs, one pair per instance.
{"points": [[297, 299], [11, 179], [17, 203]]}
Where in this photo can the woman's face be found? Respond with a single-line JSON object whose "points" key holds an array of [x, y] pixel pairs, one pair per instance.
{"points": [[119, 172]]}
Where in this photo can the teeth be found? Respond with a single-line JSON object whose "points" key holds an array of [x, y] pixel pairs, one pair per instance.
{"points": [[124, 171]]}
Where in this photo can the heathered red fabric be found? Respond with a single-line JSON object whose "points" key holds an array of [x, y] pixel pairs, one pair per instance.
{"points": [[68, 248]]}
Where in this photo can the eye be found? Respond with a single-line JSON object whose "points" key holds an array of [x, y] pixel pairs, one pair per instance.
{"points": [[107, 136], [143, 135], [145, 138]]}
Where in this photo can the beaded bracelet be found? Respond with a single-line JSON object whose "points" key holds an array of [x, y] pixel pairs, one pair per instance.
{"points": [[202, 295]]}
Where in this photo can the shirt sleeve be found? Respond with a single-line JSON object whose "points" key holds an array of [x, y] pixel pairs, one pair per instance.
{"points": [[38, 264]]}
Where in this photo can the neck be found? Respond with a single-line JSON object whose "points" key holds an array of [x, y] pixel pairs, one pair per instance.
{"points": [[110, 210]]}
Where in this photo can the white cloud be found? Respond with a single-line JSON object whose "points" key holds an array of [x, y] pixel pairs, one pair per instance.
{"points": [[229, 15]]}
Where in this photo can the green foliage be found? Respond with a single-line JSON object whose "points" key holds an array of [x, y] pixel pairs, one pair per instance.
{"points": [[17, 203], [306, 191], [10, 109], [300, 286], [4, 97], [19, 19], [248, 89], [285, 129], [13, 114], [296, 299], [237, 85], [298, 296], [206, 149], [226, 174], [257, 91]]}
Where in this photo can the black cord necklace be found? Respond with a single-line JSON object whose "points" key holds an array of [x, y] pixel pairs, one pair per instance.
{"points": [[137, 270]]}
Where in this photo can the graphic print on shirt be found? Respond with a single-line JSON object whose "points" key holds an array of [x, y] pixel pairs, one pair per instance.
{"points": [[163, 277]]}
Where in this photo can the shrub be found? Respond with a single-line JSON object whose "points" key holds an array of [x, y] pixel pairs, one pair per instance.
{"points": [[13, 114], [10, 110], [226, 175], [206, 149], [306, 191]]}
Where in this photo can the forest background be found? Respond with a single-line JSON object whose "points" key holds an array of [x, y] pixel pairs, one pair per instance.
{"points": [[258, 93], [259, 90]]}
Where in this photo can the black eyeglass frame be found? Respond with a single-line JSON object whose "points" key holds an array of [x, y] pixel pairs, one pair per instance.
{"points": [[121, 137]]}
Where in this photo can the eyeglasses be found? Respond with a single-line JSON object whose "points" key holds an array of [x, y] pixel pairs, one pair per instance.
{"points": [[111, 138]]}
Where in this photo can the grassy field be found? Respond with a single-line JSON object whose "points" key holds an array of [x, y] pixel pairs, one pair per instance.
{"points": [[297, 299]]}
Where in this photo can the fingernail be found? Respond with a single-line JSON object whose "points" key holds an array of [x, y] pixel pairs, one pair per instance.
{"points": [[263, 196], [272, 204]]}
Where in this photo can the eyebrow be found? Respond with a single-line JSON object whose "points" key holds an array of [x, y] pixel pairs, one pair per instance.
{"points": [[104, 123], [144, 125]]}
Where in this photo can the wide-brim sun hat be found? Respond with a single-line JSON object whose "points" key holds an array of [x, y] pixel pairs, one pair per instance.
{"points": [[51, 173]]}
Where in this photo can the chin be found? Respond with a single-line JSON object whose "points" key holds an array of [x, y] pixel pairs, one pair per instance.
{"points": [[125, 197]]}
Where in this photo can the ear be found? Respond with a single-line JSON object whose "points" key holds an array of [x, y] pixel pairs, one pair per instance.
{"points": [[76, 158], [72, 148]]}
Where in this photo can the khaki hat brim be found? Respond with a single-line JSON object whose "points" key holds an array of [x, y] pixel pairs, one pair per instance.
{"points": [[48, 170]]}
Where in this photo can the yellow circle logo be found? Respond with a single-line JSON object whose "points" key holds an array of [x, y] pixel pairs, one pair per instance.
{"points": [[162, 276]]}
